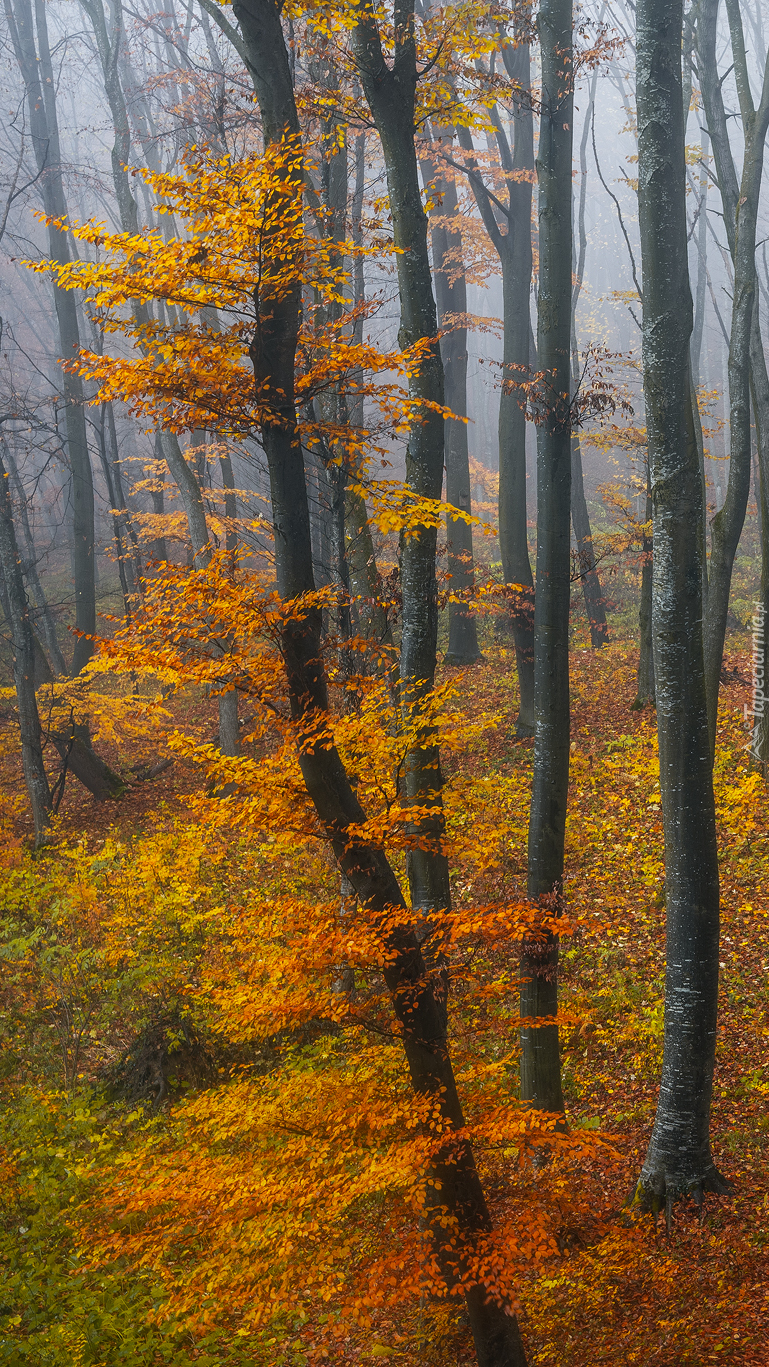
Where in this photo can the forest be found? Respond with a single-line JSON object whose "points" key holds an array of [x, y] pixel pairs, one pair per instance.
{"points": [[384, 683]]}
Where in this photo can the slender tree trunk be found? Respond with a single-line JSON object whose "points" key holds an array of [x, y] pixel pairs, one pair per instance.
{"points": [[702, 263], [419, 1007], [595, 605], [23, 667], [646, 692], [370, 617], [678, 1160], [540, 1059], [390, 94], [451, 301], [37, 72], [515, 255], [740, 218], [159, 547], [759, 739], [50, 637]]}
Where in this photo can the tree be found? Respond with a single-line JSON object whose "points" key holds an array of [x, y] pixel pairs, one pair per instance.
{"points": [[678, 1161], [23, 666], [37, 72], [740, 205], [451, 301], [390, 92], [540, 1060], [418, 996], [108, 45], [509, 229], [591, 584]]}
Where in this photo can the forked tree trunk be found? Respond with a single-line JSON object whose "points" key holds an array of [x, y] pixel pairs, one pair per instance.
{"points": [[418, 1005], [540, 1058], [678, 1161]]}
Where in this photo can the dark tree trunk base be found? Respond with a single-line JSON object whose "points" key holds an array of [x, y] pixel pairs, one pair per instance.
{"points": [[657, 1189], [456, 661]]}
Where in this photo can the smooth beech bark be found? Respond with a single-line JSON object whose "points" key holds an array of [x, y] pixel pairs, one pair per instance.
{"points": [[23, 642], [451, 300], [595, 605], [646, 692], [30, 43], [540, 1057], [418, 996], [678, 1160], [740, 205], [390, 93]]}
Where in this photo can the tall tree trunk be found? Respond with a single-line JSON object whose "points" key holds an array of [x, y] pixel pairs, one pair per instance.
{"points": [[540, 1058], [23, 667], [513, 247], [108, 45], [57, 661], [678, 1160], [370, 617], [390, 94], [646, 691], [419, 1007], [451, 301], [37, 72], [759, 740], [740, 218], [595, 605], [702, 262]]}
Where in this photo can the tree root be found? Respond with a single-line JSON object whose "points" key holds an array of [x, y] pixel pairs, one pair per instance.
{"points": [[660, 1191]]}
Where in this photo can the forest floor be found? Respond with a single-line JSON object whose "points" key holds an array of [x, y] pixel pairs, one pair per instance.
{"points": [[610, 1290]]}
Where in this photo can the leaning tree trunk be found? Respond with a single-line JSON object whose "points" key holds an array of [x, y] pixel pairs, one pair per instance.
{"points": [[37, 72], [678, 1160], [418, 1001], [540, 1059], [23, 667], [451, 300]]}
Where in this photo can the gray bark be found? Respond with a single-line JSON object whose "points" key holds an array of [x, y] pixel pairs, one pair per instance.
{"points": [[678, 1160], [451, 301], [740, 206], [35, 64], [390, 94], [540, 1059], [23, 667], [418, 1002], [595, 606], [48, 626], [511, 240]]}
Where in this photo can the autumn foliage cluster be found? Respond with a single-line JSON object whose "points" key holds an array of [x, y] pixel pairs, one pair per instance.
{"points": [[214, 1143]]}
